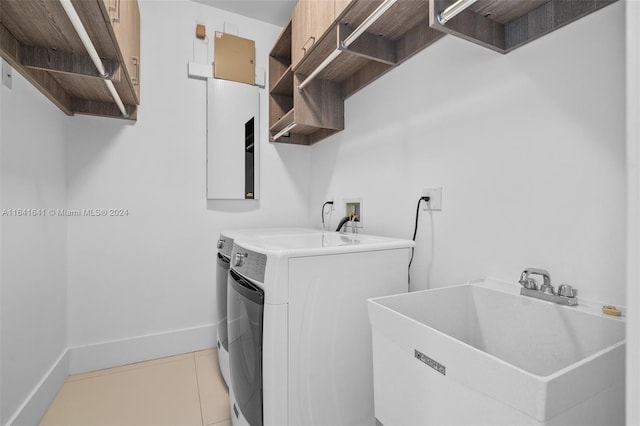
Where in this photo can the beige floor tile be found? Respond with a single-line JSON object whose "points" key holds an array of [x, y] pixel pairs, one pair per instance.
{"points": [[162, 393], [129, 367], [214, 395]]}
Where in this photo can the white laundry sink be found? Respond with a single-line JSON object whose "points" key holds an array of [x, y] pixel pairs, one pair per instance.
{"points": [[480, 353]]}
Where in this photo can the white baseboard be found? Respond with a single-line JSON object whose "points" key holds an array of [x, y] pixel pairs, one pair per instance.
{"points": [[106, 355], [142, 348], [34, 407]]}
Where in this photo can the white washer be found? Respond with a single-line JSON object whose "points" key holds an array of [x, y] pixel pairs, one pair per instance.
{"points": [[299, 337], [225, 245]]}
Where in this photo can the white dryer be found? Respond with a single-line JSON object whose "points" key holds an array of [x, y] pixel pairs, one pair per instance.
{"points": [[225, 245], [299, 337]]}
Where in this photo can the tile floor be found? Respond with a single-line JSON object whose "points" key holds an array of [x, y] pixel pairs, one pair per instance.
{"points": [[179, 390]]}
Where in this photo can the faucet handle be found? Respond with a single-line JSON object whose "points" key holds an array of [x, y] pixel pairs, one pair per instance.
{"points": [[530, 283], [566, 290]]}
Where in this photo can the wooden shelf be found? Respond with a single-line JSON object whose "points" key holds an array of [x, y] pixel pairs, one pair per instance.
{"points": [[317, 113], [282, 48], [282, 122], [288, 119], [396, 36], [299, 135], [504, 25], [38, 40], [318, 109], [284, 86]]}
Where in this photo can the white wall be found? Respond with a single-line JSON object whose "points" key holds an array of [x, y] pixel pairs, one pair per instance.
{"points": [[529, 148], [154, 270], [33, 248], [1, 234], [633, 220]]}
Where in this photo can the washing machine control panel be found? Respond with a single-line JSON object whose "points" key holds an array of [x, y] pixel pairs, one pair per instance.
{"points": [[249, 263], [225, 245]]}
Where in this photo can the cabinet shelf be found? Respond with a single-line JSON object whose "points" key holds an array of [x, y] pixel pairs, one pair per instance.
{"points": [[503, 25], [284, 85], [282, 47], [317, 113], [300, 135], [283, 122], [289, 118]]}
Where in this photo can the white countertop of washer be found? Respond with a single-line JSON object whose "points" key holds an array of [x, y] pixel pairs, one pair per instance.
{"points": [[323, 243]]}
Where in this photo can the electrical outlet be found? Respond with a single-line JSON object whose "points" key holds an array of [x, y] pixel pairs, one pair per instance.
{"points": [[7, 75], [435, 199]]}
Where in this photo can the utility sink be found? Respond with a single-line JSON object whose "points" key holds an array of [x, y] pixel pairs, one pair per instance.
{"points": [[480, 353]]}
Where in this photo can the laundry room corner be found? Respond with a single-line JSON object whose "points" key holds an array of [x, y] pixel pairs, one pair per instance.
{"points": [[142, 282]]}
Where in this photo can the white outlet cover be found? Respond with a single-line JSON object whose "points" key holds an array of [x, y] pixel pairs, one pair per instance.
{"points": [[7, 75], [435, 199]]}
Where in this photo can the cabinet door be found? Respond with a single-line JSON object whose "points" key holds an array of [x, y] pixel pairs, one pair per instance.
{"points": [[133, 47], [339, 6], [310, 19], [322, 16], [125, 20], [299, 31]]}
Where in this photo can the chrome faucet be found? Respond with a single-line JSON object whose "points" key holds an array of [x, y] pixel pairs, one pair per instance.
{"points": [[565, 294], [532, 284]]}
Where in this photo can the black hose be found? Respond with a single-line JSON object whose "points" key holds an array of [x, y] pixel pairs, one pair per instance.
{"points": [[342, 222]]}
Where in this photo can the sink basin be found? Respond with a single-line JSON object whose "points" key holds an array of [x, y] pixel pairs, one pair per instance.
{"points": [[480, 353]]}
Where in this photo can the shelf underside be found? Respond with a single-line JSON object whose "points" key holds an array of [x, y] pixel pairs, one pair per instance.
{"points": [[504, 25], [39, 41], [505, 11]]}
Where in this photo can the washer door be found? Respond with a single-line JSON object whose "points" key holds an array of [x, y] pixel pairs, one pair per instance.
{"points": [[222, 271], [245, 309]]}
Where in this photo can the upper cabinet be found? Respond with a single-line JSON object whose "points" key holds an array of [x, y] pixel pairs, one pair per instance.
{"points": [[124, 16], [347, 46], [296, 116], [310, 20], [60, 45], [339, 6]]}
